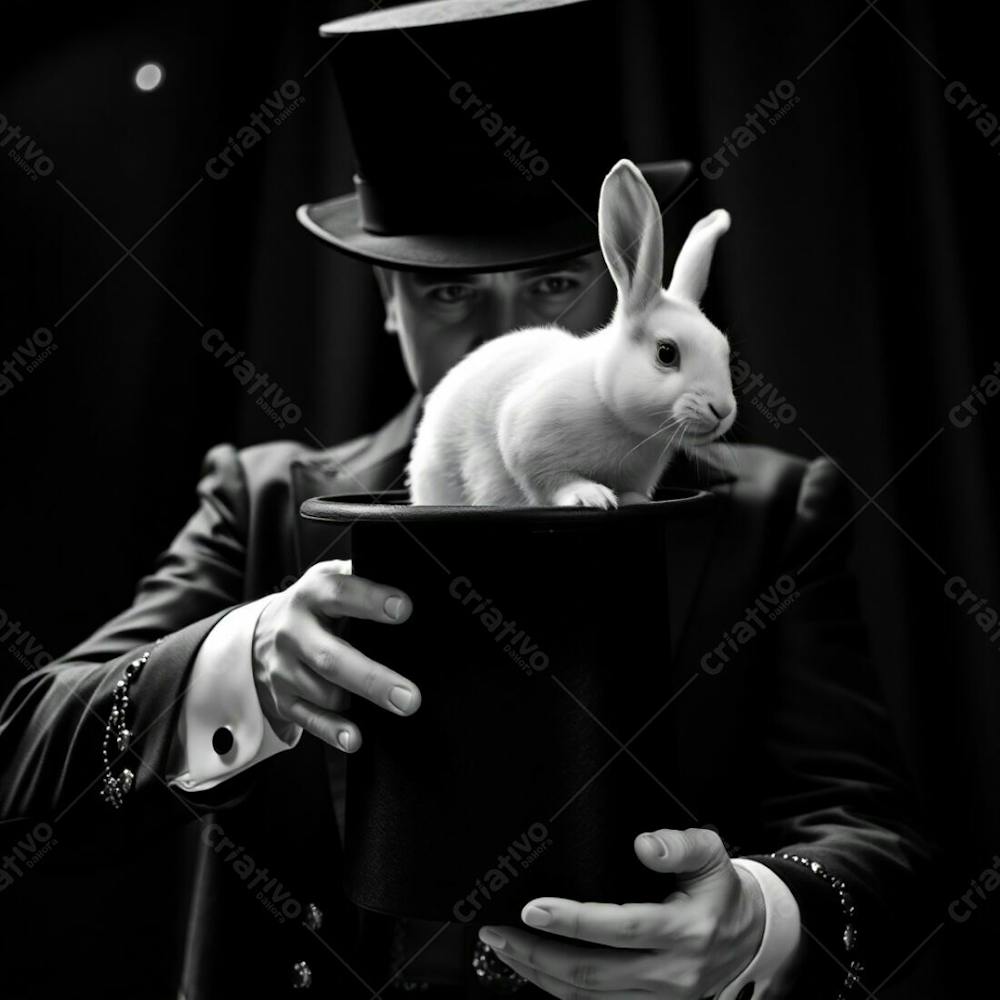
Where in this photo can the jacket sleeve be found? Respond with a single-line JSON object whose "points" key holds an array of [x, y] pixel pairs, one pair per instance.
{"points": [[52, 725], [837, 803]]}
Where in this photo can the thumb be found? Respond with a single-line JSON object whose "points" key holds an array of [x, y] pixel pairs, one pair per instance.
{"points": [[694, 855]]}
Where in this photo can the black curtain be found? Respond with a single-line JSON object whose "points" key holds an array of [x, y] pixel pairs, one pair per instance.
{"points": [[856, 284]]}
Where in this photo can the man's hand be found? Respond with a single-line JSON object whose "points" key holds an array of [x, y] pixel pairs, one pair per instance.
{"points": [[689, 946], [305, 675]]}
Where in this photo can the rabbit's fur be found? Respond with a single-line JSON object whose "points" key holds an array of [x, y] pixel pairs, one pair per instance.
{"points": [[543, 417]]}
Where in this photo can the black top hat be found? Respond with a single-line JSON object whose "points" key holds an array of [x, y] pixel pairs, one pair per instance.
{"points": [[482, 130], [510, 781]]}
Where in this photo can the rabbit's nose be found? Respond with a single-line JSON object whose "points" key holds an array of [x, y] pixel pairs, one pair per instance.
{"points": [[720, 414]]}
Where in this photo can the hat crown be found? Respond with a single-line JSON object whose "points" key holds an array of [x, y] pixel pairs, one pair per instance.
{"points": [[495, 120]]}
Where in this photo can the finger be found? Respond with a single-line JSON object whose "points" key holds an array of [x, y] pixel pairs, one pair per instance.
{"points": [[558, 988], [695, 853], [599, 969], [328, 726], [337, 594], [338, 565], [618, 925], [295, 679], [340, 663]]}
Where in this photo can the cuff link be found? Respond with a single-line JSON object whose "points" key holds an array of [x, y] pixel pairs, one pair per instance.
{"points": [[223, 740]]}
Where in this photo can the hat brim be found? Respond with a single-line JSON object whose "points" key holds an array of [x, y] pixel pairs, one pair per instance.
{"points": [[336, 223]]}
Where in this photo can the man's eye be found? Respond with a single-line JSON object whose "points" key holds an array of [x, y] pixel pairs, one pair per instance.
{"points": [[555, 285], [667, 354], [452, 293]]}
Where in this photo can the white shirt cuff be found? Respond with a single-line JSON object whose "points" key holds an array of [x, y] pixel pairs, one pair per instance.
{"points": [[782, 930], [222, 695]]}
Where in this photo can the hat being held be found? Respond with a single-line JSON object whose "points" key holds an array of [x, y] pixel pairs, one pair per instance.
{"points": [[482, 130]]}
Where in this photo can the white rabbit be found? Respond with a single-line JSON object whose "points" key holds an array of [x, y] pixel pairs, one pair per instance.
{"points": [[543, 417]]}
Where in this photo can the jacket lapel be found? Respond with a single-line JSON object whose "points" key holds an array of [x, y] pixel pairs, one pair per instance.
{"points": [[368, 465]]}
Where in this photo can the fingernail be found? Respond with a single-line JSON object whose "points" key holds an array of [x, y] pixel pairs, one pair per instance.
{"points": [[344, 739], [489, 936], [402, 698], [536, 916], [393, 607], [655, 845]]}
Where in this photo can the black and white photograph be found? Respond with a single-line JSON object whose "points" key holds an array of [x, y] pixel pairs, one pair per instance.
{"points": [[498, 500]]}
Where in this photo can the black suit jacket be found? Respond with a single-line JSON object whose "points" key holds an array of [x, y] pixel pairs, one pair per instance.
{"points": [[779, 737]]}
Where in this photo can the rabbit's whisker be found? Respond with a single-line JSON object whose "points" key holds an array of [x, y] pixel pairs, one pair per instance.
{"points": [[678, 429], [664, 425]]}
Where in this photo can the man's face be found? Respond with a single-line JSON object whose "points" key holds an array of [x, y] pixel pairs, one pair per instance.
{"points": [[441, 317]]}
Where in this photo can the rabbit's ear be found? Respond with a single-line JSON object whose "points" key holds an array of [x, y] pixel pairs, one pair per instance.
{"points": [[631, 234], [690, 277]]}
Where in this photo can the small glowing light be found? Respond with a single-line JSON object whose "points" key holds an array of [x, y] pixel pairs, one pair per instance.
{"points": [[149, 76]]}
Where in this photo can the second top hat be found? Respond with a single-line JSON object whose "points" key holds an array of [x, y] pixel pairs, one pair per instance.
{"points": [[537, 753]]}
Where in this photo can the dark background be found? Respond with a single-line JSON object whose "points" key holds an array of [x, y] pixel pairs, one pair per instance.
{"points": [[858, 279]]}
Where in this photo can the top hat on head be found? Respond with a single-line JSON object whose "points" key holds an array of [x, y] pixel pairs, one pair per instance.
{"points": [[482, 130]]}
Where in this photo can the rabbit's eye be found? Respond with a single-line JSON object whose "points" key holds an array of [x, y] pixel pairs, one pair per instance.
{"points": [[667, 354]]}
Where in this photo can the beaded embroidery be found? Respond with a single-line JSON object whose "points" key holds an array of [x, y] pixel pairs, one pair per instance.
{"points": [[495, 974], [115, 787], [849, 937]]}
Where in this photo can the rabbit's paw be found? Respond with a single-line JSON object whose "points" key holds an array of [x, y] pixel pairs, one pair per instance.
{"points": [[583, 493]]}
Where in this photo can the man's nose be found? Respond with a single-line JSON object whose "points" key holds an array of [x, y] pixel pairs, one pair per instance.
{"points": [[504, 316]]}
